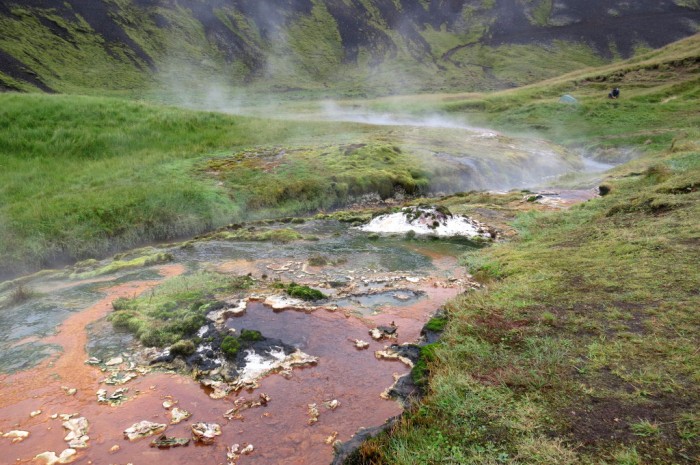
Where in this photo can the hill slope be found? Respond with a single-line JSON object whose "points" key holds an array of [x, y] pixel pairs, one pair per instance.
{"points": [[582, 348], [358, 46]]}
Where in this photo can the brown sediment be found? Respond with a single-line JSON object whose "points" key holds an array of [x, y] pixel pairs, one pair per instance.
{"points": [[240, 266], [40, 388], [279, 431]]}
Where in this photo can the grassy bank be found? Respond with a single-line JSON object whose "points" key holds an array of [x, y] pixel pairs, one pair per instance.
{"points": [[84, 176], [583, 348]]}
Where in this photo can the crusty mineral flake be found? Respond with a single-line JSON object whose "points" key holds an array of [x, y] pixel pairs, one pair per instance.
{"points": [[205, 433], [143, 429]]}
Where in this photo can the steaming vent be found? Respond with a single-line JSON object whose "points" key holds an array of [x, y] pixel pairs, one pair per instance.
{"points": [[428, 221]]}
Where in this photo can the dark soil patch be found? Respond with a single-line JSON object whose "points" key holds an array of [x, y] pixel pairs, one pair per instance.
{"points": [[644, 21], [19, 71]]}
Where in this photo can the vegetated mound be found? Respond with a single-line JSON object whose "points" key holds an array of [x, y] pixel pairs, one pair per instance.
{"points": [[379, 46]]}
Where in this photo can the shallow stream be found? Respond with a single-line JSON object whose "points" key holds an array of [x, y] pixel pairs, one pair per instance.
{"points": [[46, 341]]}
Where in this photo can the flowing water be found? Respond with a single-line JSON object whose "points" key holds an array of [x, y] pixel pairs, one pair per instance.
{"points": [[46, 341]]}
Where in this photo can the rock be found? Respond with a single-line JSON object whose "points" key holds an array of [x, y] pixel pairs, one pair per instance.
{"points": [[382, 332], [116, 398], [114, 361], [69, 391], [143, 429], [344, 450], [242, 404], [120, 378], [178, 415], [332, 404], [35, 413], [168, 404], [164, 442], [360, 344], [16, 435], [247, 449], [77, 437], [331, 439], [50, 458], [114, 449], [234, 312], [313, 413], [205, 432], [233, 454], [391, 354], [219, 388]]}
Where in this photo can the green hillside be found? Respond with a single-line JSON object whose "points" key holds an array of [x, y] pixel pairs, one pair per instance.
{"points": [[355, 47]]}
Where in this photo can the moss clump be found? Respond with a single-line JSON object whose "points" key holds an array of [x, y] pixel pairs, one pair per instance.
{"points": [[420, 371], [182, 348], [230, 346], [436, 324], [251, 335], [283, 235], [318, 260], [118, 265], [174, 310], [304, 292]]}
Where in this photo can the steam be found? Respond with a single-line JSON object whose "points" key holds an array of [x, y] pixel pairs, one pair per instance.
{"points": [[464, 157]]}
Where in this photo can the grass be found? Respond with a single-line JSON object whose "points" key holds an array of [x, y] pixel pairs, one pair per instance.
{"points": [[583, 346], [175, 310], [84, 176]]}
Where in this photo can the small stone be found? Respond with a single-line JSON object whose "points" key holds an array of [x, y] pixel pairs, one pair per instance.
{"points": [[50, 458], [115, 448], [247, 449], [205, 432], [16, 435], [178, 415], [69, 391], [35, 413], [332, 404], [114, 361], [331, 439], [143, 429], [360, 344], [313, 413]]}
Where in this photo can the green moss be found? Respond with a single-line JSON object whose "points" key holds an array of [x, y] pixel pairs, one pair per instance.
{"points": [[182, 348], [318, 260], [436, 324], [175, 310], [305, 292], [250, 335], [230, 346], [267, 235], [420, 371], [119, 265]]}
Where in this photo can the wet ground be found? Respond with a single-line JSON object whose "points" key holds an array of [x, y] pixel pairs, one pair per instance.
{"points": [[47, 340]]}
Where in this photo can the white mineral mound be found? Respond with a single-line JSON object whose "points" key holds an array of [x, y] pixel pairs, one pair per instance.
{"points": [[427, 221]]}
